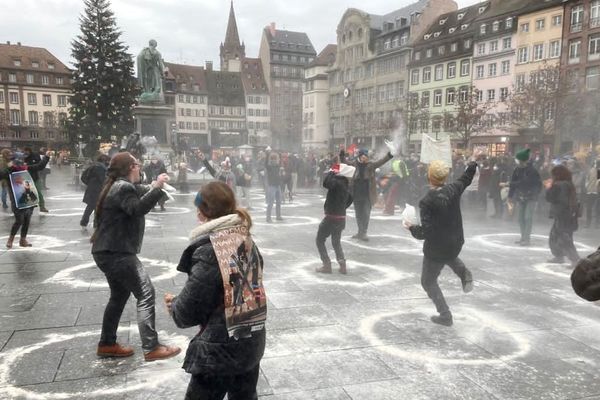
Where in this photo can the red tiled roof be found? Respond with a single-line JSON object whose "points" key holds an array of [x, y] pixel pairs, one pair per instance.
{"points": [[252, 76], [189, 74], [326, 56], [27, 54]]}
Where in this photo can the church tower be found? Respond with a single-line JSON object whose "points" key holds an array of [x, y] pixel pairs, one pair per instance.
{"points": [[232, 52]]}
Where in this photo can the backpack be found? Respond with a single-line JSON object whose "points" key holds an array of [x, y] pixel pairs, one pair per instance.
{"points": [[585, 278], [86, 175]]}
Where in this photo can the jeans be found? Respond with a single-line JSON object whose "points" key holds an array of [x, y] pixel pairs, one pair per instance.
{"points": [[592, 206], [526, 210], [362, 210], [330, 227], [125, 275], [237, 387], [561, 243], [85, 219], [22, 220], [246, 195], [429, 276], [273, 195]]}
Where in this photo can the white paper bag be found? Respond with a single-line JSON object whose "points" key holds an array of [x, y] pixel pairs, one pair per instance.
{"points": [[409, 215]]}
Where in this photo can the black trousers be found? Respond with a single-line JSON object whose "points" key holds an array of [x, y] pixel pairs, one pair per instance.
{"points": [[237, 387], [330, 227], [561, 243], [362, 210], [125, 275], [429, 276], [22, 220]]}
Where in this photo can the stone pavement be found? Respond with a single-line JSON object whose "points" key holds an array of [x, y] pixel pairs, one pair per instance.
{"points": [[521, 334]]}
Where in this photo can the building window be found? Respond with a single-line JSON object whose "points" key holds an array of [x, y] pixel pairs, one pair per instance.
{"points": [[31, 99], [520, 82], [62, 101], [495, 26], [451, 70], [592, 78], [453, 47], [491, 94], [12, 77], [479, 94], [492, 69], [29, 78], [557, 20], [35, 64], [506, 43], [426, 74], [493, 46], [523, 56], [45, 80], [47, 99], [439, 72], [503, 93], [428, 53], [13, 97], [414, 77], [506, 67], [181, 98], [538, 52], [15, 117], [594, 47], [1, 100], [417, 58], [188, 125], [555, 49], [574, 51], [577, 18], [50, 66], [467, 44], [425, 99], [525, 27], [479, 71], [182, 125], [450, 96], [463, 94], [437, 98], [442, 50], [481, 49], [59, 80], [595, 14], [465, 68], [540, 24], [509, 22], [482, 29], [33, 118]]}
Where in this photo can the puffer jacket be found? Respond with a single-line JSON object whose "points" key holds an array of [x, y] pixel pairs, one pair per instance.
{"points": [[441, 220], [120, 228], [201, 302]]}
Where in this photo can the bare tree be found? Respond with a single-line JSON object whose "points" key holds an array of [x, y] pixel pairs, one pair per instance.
{"points": [[580, 119], [469, 115]]}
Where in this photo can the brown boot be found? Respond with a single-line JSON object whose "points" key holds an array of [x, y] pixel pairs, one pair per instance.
{"points": [[9, 242], [24, 243], [162, 352], [325, 269], [114, 350], [342, 264]]}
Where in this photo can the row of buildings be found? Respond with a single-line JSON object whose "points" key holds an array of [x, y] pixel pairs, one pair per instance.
{"points": [[417, 66]]}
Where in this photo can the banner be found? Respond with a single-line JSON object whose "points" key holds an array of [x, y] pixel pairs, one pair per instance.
{"points": [[242, 271], [432, 150], [24, 190]]}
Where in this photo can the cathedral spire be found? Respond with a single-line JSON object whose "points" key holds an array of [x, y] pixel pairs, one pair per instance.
{"points": [[232, 52], [231, 36]]}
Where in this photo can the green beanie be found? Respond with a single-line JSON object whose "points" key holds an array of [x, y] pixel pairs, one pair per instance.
{"points": [[523, 155]]}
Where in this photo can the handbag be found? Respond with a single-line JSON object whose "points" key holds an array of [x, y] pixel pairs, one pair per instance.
{"points": [[585, 278]]}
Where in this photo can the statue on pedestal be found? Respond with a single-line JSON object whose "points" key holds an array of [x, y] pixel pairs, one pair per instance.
{"points": [[151, 71]]}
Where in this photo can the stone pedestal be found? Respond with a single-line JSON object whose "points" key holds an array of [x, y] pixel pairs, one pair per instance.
{"points": [[155, 120]]}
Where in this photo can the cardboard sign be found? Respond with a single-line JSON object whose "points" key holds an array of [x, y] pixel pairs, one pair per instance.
{"points": [[432, 150], [24, 191]]}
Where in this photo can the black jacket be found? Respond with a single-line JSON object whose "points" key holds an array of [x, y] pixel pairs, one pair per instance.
{"points": [[441, 219], [121, 225], [95, 182], [562, 208], [211, 352], [32, 160], [525, 183], [338, 195]]}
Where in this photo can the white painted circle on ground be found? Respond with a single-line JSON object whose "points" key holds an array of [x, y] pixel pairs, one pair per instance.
{"points": [[66, 277], [68, 196], [170, 210], [560, 270], [160, 374], [286, 223], [479, 323], [488, 240], [64, 212], [41, 242], [414, 246]]}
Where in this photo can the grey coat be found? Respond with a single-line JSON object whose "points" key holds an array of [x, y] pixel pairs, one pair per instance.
{"points": [[121, 225]]}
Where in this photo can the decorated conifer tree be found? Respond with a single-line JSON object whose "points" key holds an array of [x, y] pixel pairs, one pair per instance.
{"points": [[104, 88]]}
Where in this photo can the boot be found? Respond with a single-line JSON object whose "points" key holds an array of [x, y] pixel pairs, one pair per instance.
{"points": [[162, 352], [467, 283], [24, 243], [444, 318], [342, 264], [9, 242], [325, 269], [114, 350]]}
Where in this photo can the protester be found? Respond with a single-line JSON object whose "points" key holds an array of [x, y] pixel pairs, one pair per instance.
{"points": [[120, 222], [399, 175], [524, 189], [155, 168], [32, 159], [225, 174], [273, 183], [564, 209], [592, 200], [244, 181], [4, 161], [93, 177], [442, 229], [22, 215], [337, 201], [224, 295]]}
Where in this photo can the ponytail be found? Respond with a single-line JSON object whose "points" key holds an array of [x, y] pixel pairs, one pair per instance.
{"points": [[245, 216]]}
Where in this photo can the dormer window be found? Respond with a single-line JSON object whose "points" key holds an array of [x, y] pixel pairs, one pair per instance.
{"points": [[443, 21], [481, 10], [427, 36], [495, 26], [17, 62], [509, 22], [460, 16], [482, 29], [35, 64], [452, 30], [50, 66], [437, 34], [464, 26]]}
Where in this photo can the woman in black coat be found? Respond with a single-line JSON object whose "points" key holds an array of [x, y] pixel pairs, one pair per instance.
{"points": [[93, 177], [223, 295], [564, 208]]}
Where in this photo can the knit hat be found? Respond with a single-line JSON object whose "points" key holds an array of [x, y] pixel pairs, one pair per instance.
{"points": [[363, 152], [523, 155], [438, 173], [347, 171]]}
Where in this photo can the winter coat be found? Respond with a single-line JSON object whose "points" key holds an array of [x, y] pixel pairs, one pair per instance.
{"points": [[364, 177], [272, 173], [201, 302], [225, 176], [122, 223], [338, 195], [498, 176], [95, 182], [525, 184], [562, 208], [152, 171], [441, 220], [5, 174], [31, 160]]}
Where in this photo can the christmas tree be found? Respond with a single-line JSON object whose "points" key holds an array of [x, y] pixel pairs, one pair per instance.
{"points": [[104, 88]]}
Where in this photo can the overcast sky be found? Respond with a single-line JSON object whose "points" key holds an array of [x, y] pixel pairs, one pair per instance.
{"points": [[187, 31]]}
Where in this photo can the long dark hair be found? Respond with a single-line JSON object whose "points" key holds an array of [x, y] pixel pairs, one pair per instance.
{"points": [[119, 167], [218, 200], [560, 173]]}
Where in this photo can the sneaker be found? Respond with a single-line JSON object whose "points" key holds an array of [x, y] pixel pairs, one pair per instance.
{"points": [[279, 219], [44, 209], [364, 238], [114, 350], [525, 243], [162, 352], [356, 236], [556, 260], [442, 319], [325, 269], [467, 283], [162, 208], [24, 243], [269, 220]]}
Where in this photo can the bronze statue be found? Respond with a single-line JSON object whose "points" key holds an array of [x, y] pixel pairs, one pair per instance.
{"points": [[151, 70]]}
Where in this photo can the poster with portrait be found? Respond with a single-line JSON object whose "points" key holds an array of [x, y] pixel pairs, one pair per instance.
{"points": [[24, 190]]}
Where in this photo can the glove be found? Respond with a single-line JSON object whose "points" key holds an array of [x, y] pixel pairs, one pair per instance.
{"points": [[392, 147]]}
